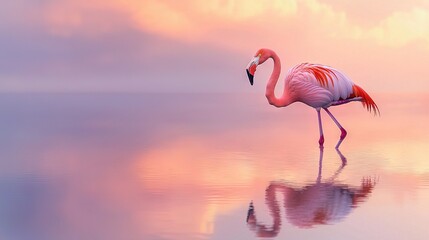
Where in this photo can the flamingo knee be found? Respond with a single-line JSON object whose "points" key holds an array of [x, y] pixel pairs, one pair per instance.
{"points": [[321, 140], [343, 133]]}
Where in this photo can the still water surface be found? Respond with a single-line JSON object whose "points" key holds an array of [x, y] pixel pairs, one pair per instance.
{"points": [[210, 166]]}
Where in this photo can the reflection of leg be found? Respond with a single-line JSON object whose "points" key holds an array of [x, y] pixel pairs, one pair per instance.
{"points": [[343, 131], [343, 164], [321, 139], [319, 175], [343, 159]]}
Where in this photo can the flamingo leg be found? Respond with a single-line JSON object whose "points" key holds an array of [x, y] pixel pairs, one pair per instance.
{"points": [[321, 139], [343, 131], [319, 175]]}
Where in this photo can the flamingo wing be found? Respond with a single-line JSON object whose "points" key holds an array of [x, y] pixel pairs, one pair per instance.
{"points": [[310, 93], [310, 81]]}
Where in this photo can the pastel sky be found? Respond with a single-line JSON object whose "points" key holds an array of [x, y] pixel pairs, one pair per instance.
{"points": [[204, 46]]}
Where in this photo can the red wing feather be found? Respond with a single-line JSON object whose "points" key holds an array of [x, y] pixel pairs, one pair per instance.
{"points": [[367, 101], [322, 74]]}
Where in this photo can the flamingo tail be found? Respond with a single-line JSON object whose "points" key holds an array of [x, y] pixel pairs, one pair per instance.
{"points": [[367, 101]]}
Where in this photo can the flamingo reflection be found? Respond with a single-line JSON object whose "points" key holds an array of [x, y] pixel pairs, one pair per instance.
{"points": [[323, 202]]}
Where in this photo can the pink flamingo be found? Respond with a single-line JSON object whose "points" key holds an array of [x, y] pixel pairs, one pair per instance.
{"points": [[316, 85]]}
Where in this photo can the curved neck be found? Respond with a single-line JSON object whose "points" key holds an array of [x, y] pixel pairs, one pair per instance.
{"points": [[261, 229], [285, 99]]}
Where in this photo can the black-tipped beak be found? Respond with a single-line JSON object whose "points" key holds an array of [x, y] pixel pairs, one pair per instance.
{"points": [[250, 77]]}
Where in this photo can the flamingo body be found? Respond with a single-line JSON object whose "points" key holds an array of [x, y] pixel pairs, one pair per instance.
{"points": [[321, 86], [316, 85]]}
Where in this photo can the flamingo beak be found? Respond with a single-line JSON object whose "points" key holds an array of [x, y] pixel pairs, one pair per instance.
{"points": [[250, 77], [251, 69]]}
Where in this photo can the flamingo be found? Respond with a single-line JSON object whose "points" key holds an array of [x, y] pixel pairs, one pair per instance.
{"points": [[315, 85]]}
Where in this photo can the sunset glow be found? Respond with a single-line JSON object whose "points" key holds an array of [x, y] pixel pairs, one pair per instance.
{"points": [[144, 119], [381, 46]]}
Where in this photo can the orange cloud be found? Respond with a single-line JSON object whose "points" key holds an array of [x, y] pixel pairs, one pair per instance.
{"points": [[228, 23], [308, 30], [402, 27]]}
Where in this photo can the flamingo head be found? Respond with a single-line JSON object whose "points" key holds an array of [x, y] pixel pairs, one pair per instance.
{"points": [[259, 58]]}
